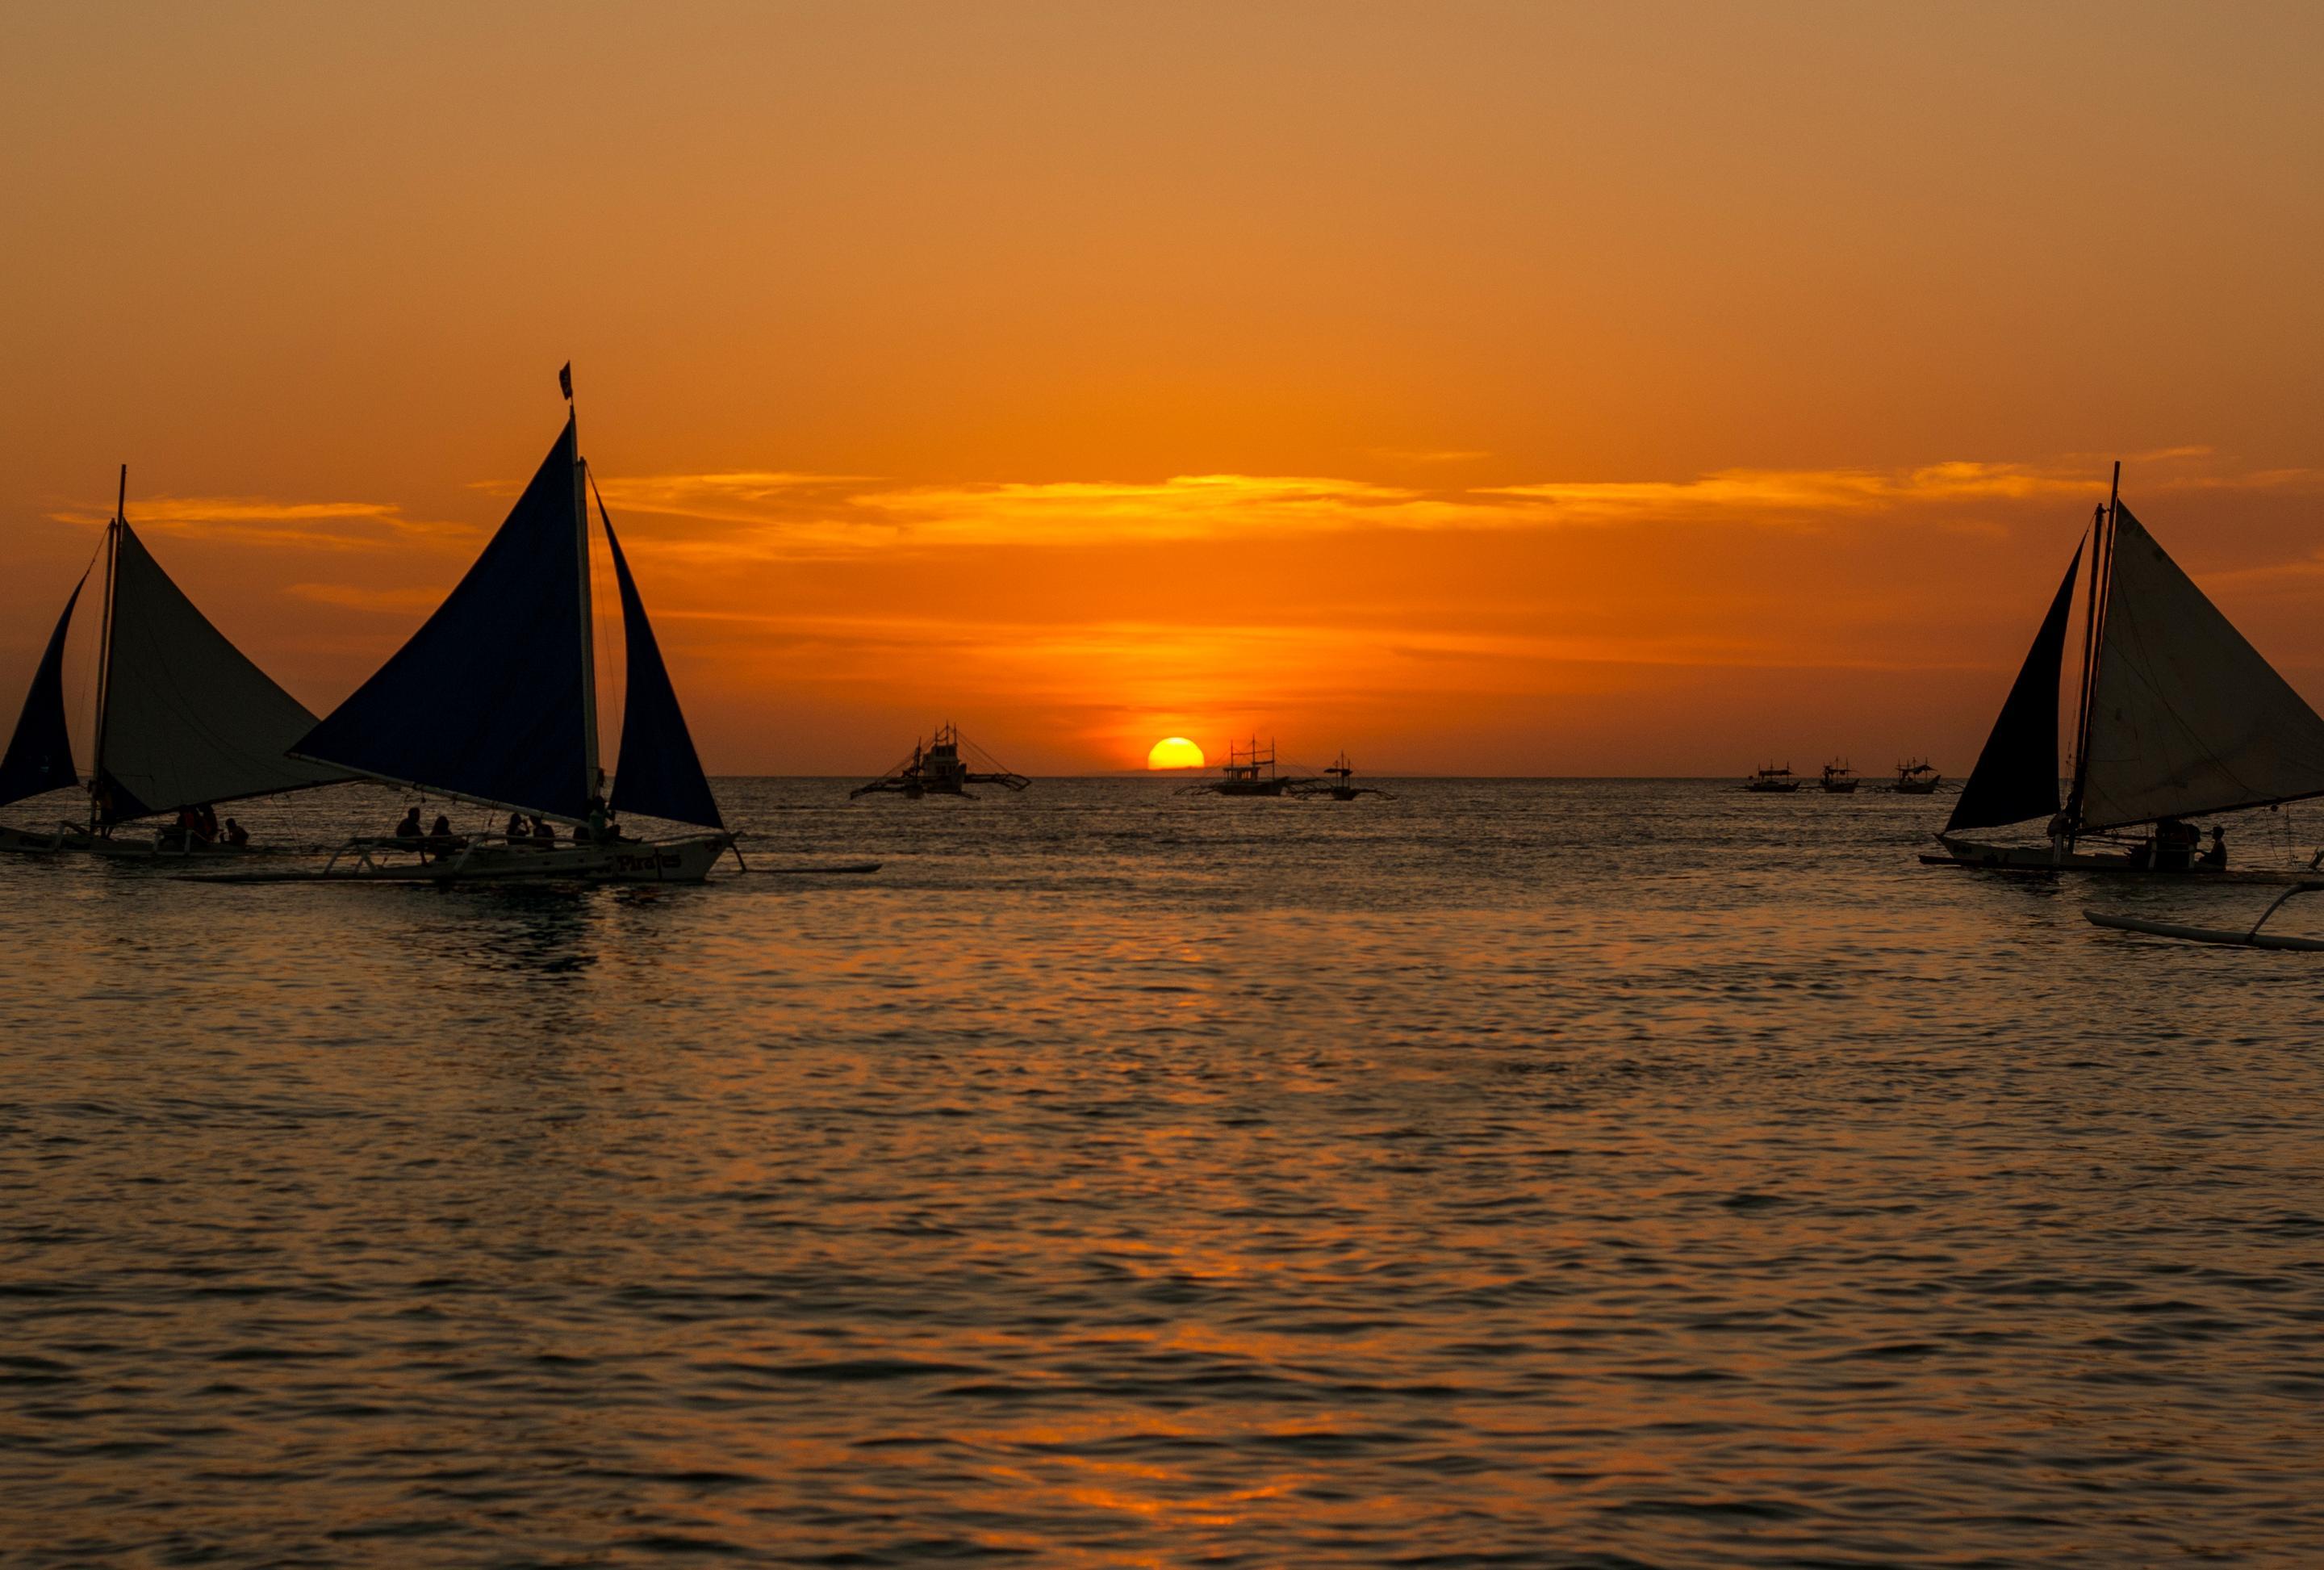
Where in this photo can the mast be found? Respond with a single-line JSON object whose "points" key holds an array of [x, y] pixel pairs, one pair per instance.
{"points": [[2093, 646], [592, 772], [105, 642]]}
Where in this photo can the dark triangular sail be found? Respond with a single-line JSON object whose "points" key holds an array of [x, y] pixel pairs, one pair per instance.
{"points": [[39, 753], [488, 699], [187, 717], [658, 772], [2016, 774]]}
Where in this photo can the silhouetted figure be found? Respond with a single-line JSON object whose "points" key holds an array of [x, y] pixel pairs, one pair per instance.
{"points": [[410, 827], [206, 823], [2217, 857], [235, 835], [515, 829], [542, 834], [2174, 844]]}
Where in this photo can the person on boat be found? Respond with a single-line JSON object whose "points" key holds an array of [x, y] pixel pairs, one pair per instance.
{"points": [[2216, 858], [543, 834], [206, 823], [410, 827], [516, 829], [100, 797], [599, 829], [2174, 844], [235, 835]]}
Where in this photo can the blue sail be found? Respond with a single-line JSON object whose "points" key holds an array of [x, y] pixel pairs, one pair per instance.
{"points": [[658, 772], [2016, 774], [40, 755], [485, 700]]}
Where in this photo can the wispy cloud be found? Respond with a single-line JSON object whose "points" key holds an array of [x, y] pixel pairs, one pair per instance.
{"points": [[262, 520]]}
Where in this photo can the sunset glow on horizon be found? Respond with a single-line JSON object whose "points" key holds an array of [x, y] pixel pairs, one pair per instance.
{"points": [[1516, 390]]}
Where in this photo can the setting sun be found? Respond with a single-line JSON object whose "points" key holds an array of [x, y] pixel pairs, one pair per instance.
{"points": [[1175, 753]]}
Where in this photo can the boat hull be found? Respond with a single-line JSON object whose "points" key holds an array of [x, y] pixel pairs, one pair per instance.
{"points": [[1916, 787], [669, 861], [74, 841], [2043, 858]]}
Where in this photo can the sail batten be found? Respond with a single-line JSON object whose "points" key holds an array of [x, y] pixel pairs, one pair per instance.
{"points": [[39, 758], [187, 717], [2185, 716], [2017, 773], [658, 772], [485, 702]]}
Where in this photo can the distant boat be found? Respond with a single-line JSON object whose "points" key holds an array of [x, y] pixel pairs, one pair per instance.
{"points": [[1838, 778], [183, 719], [1916, 778], [2176, 715], [494, 702], [938, 769], [1773, 781], [1247, 772], [1338, 782]]}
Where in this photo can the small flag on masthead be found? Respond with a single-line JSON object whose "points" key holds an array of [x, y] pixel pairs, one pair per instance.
{"points": [[565, 380]]}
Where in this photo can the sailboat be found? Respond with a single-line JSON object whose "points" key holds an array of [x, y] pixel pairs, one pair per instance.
{"points": [[2177, 715], [494, 702], [183, 717]]}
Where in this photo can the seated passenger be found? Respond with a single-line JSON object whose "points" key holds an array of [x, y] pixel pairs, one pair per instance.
{"points": [[410, 827], [542, 834], [2217, 857], [235, 835], [206, 823], [515, 829]]}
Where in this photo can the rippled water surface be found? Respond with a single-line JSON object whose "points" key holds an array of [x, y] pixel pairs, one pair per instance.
{"points": [[1531, 1173]]}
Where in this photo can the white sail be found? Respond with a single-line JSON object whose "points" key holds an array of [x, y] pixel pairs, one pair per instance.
{"points": [[187, 717], [2185, 716]]}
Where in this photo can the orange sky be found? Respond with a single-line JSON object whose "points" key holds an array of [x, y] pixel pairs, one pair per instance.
{"points": [[1514, 389]]}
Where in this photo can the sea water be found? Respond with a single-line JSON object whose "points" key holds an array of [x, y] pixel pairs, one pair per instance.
{"points": [[1512, 1172]]}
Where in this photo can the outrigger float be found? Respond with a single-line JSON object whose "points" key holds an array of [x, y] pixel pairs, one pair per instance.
{"points": [[2228, 937], [183, 718], [938, 769], [2177, 716], [494, 702]]}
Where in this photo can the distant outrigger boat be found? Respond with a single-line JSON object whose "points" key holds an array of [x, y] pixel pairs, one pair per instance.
{"points": [[1839, 780], [494, 702], [1337, 782], [1773, 781], [1917, 778], [1247, 772], [938, 770], [2177, 715], [183, 719]]}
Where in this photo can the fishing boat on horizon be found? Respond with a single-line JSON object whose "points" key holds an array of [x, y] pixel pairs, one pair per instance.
{"points": [[1338, 782], [938, 769], [1916, 778], [494, 703], [184, 721], [1247, 772], [1838, 778], [2177, 715], [1773, 781]]}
